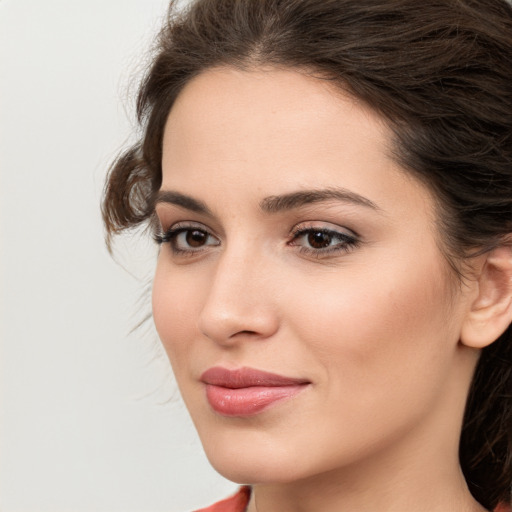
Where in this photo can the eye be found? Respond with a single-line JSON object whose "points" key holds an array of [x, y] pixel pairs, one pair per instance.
{"points": [[187, 239], [320, 241]]}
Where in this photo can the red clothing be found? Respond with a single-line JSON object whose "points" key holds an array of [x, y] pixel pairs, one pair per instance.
{"points": [[239, 502]]}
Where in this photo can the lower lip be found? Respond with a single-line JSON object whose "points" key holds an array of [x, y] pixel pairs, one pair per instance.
{"points": [[248, 401]]}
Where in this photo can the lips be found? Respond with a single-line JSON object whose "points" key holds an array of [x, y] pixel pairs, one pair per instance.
{"points": [[246, 391]]}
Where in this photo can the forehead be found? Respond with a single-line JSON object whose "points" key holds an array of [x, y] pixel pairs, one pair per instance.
{"points": [[265, 117], [224, 97]]}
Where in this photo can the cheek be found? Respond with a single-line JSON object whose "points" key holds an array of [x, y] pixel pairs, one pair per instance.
{"points": [[174, 300], [368, 328], [382, 352]]}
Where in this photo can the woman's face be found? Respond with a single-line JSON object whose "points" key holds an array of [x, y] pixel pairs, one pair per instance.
{"points": [[294, 245]]}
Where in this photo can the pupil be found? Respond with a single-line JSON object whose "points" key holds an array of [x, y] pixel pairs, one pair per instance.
{"points": [[195, 238], [319, 240]]}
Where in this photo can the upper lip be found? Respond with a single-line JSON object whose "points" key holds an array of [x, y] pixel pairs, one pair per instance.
{"points": [[246, 377]]}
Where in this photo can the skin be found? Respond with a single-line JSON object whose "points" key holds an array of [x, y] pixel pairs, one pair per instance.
{"points": [[374, 327]]}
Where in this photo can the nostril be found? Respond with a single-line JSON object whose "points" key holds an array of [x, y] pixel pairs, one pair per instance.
{"points": [[245, 333]]}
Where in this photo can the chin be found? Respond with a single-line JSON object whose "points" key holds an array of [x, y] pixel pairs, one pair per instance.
{"points": [[252, 462], [243, 471]]}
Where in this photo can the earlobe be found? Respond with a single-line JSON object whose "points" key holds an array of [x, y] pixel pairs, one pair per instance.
{"points": [[490, 312]]}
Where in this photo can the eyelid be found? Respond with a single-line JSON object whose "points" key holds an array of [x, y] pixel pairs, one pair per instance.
{"points": [[323, 226], [188, 224]]}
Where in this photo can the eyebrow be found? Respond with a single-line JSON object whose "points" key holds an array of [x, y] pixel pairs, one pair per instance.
{"points": [[187, 202], [271, 204], [274, 204]]}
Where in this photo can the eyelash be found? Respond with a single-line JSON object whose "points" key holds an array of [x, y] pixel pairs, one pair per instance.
{"points": [[345, 243]]}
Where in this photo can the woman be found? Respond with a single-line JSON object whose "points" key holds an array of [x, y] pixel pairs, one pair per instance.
{"points": [[331, 185]]}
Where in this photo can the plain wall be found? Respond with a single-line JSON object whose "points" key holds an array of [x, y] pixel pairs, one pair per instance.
{"points": [[89, 418]]}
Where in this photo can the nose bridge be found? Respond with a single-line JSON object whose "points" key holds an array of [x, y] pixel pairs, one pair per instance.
{"points": [[239, 299]]}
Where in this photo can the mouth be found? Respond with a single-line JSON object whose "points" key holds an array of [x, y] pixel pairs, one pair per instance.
{"points": [[246, 391]]}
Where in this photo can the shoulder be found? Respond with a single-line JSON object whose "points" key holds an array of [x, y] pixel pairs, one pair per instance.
{"points": [[236, 503]]}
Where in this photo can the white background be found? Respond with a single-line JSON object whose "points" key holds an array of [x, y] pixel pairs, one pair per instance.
{"points": [[89, 418]]}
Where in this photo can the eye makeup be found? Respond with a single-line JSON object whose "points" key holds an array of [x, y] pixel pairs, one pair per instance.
{"points": [[311, 239]]}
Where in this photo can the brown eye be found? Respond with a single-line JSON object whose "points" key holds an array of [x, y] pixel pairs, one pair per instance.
{"points": [[321, 242], [319, 239], [188, 240], [196, 238]]}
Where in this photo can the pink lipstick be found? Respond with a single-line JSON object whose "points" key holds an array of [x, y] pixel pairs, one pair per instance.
{"points": [[246, 391]]}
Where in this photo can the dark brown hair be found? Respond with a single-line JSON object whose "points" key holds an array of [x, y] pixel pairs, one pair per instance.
{"points": [[439, 72]]}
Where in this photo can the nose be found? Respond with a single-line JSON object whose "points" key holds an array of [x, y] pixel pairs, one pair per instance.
{"points": [[240, 303]]}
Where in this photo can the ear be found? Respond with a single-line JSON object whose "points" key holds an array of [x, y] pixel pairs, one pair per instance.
{"points": [[490, 311]]}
